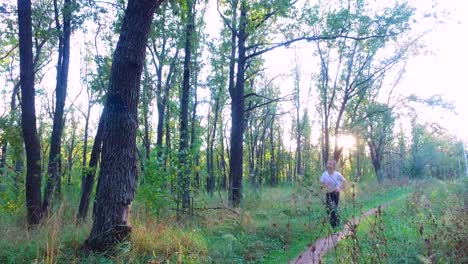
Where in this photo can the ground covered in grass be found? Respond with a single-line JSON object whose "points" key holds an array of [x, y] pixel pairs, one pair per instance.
{"points": [[273, 225], [428, 226]]}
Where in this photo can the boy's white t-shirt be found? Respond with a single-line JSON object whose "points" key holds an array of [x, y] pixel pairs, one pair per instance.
{"points": [[333, 182]]}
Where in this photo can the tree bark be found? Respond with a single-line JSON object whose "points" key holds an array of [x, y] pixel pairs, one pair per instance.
{"points": [[118, 174], [237, 116], [28, 115], [193, 134], [184, 172], [54, 180]]}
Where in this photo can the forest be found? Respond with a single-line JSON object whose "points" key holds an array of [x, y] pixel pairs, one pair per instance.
{"points": [[197, 131]]}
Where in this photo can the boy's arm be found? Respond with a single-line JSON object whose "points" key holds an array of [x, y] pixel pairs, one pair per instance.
{"points": [[343, 183]]}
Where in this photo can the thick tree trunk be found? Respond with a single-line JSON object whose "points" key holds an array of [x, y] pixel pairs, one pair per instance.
{"points": [[118, 174], [28, 115], [90, 172], [237, 116], [54, 180]]}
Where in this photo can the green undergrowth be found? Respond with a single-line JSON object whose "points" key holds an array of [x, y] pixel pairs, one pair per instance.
{"points": [[272, 225], [428, 226], [366, 196]]}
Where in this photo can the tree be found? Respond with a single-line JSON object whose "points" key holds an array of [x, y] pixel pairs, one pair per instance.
{"points": [[90, 172], [54, 168], [95, 85], [379, 135], [28, 114], [118, 172], [351, 64], [164, 47], [70, 140], [184, 170]]}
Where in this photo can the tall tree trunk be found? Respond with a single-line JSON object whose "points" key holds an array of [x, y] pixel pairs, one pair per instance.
{"points": [[273, 169], [54, 176], [167, 157], [18, 151], [90, 172], [12, 116], [28, 115], [297, 104], [209, 155], [237, 116], [211, 139], [193, 146], [85, 144], [224, 176], [162, 103], [70, 156], [184, 172], [118, 174], [146, 100]]}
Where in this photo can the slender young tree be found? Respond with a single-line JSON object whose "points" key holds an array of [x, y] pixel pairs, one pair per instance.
{"points": [[87, 182], [118, 174], [54, 180]]}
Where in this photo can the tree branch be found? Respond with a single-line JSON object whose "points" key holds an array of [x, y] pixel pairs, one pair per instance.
{"points": [[225, 20], [314, 38], [9, 52]]}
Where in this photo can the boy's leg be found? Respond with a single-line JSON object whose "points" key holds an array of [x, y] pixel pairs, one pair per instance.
{"points": [[330, 211], [336, 200]]}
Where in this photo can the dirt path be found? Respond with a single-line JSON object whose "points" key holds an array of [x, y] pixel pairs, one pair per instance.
{"points": [[314, 254]]}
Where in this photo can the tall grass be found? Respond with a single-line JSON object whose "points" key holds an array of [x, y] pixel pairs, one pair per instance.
{"points": [[273, 225], [429, 226]]}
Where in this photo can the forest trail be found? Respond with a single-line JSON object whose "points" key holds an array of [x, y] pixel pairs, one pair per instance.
{"points": [[314, 253]]}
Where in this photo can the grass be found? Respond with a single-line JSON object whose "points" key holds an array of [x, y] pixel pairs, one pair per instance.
{"points": [[366, 197], [429, 226], [273, 225]]}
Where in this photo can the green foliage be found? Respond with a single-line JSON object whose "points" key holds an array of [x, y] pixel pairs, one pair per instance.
{"points": [[157, 182], [433, 152]]}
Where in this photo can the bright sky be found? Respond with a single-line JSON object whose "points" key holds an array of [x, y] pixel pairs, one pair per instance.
{"points": [[444, 71], [439, 71]]}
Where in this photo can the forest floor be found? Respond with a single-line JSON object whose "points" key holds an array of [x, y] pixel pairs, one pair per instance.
{"points": [[426, 222], [314, 253]]}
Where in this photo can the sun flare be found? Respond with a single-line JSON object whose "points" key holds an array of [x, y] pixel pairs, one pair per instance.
{"points": [[347, 142]]}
